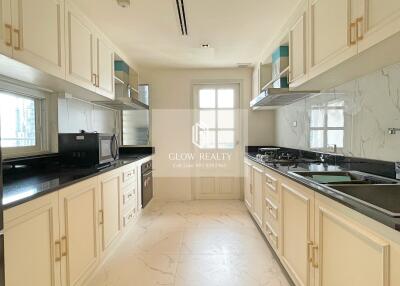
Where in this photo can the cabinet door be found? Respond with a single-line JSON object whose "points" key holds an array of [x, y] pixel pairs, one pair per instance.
{"points": [[297, 222], [347, 254], [381, 20], [258, 197], [330, 33], [31, 243], [248, 196], [5, 28], [79, 231], [110, 208], [38, 34], [297, 53], [80, 40], [105, 68]]}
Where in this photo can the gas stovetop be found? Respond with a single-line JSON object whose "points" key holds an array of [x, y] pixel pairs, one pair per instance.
{"points": [[282, 158]]}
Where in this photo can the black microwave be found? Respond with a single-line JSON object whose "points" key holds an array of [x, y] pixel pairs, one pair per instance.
{"points": [[88, 149]]}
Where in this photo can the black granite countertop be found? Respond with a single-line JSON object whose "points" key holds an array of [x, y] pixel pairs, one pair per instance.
{"points": [[27, 183], [392, 222]]}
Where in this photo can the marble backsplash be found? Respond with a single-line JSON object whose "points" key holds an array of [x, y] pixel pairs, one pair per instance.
{"points": [[371, 105]]}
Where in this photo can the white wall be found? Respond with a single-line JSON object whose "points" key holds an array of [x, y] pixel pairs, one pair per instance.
{"points": [[171, 104], [75, 115], [372, 105]]}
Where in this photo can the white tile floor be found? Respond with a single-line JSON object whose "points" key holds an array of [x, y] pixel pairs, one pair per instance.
{"points": [[204, 243]]}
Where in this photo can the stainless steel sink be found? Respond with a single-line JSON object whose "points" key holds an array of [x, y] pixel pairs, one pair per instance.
{"points": [[345, 178], [385, 198]]}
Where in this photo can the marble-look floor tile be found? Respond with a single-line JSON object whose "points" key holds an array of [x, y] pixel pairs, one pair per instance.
{"points": [[192, 243]]}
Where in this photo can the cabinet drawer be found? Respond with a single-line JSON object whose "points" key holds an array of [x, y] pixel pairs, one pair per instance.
{"points": [[129, 216], [272, 209], [271, 184], [129, 175], [129, 194], [271, 236]]}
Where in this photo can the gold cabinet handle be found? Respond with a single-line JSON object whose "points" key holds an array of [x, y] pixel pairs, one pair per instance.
{"points": [[97, 81], [64, 247], [314, 256], [18, 34], [101, 217], [94, 79], [57, 250], [9, 28], [360, 33], [352, 26], [309, 249]]}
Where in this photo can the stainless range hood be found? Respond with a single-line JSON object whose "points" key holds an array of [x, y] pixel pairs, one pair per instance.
{"points": [[271, 98], [126, 98]]}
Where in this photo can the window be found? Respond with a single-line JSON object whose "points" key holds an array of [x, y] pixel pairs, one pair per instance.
{"points": [[215, 127], [20, 124], [327, 125]]}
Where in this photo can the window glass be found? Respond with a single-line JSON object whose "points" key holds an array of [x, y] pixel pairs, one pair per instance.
{"points": [[226, 139], [225, 119], [317, 138], [335, 137], [207, 139], [317, 118], [207, 118], [335, 117], [207, 98], [18, 124], [226, 98]]}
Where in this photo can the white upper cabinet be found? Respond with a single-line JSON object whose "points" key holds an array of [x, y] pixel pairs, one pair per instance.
{"points": [[104, 61], [38, 34], [80, 41], [297, 50], [381, 20], [5, 28], [332, 35]]}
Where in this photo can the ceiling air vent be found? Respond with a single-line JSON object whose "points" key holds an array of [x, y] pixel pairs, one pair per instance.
{"points": [[182, 17]]}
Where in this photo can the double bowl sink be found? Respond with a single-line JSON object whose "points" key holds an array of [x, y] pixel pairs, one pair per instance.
{"points": [[378, 192]]}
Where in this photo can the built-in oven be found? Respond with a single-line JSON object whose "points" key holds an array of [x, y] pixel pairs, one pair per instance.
{"points": [[147, 182], [88, 149]]}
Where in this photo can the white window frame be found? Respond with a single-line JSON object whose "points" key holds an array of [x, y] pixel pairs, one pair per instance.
{"points": [[216, 129], [41, 122], [325, 127]]}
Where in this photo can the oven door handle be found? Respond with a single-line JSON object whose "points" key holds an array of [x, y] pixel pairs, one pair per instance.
{"points": [[147, 173], [114, 147]]}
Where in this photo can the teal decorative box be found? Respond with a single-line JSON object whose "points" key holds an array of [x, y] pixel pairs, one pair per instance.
{"points": [[280, 60]]}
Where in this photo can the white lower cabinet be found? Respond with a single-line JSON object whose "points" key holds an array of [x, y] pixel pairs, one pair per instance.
{"points": [[110, 208], [32, 249], [79, 239], [321, 242], [248, 192], [59, 239], [258, 194]]}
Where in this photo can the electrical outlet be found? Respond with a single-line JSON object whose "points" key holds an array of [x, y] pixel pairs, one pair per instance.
{"points": [[294, 123]]}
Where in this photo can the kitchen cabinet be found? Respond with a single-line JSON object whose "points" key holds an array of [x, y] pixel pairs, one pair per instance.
{"points": [[297, 51], [110, 208], [332, 33], [347, 253], [32, 247], [80, 41], [104, 62], [297, 223], [248, 192], [38, 34], [79, 230], [5, 28], [258, 194], [380, 20]]}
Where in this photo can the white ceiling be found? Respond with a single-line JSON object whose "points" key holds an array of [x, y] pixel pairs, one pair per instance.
{"points": [[149, 32]]}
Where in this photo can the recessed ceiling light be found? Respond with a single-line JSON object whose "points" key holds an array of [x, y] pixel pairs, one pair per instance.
{"points": [[205, 45], [243, 65], [124, 3]]}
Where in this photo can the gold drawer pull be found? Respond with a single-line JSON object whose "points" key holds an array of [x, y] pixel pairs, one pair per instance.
{"points": [[18, 34], [64, 246], [9, 28], [57, 250], [360, 34], [351, 27], [101, 217], [314, 256]]}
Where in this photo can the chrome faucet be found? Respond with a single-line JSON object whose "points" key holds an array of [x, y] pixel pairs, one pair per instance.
{"points": [[397, 170], [393, 131]]}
